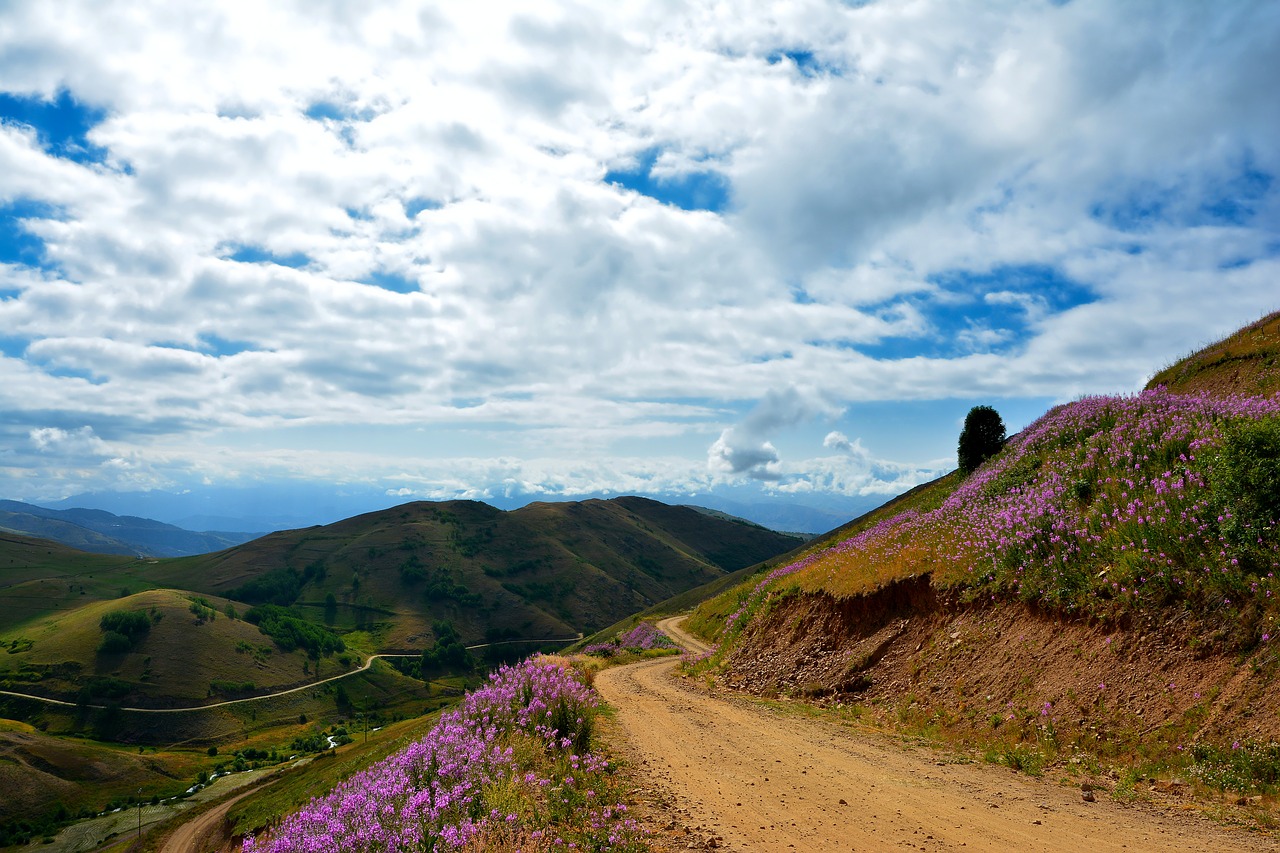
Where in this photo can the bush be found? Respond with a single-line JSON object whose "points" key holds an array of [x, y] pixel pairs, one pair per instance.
{"points": [[1246, 478], [448, 653], [114, 643], [291, 632], [982, 437], [122, 630]]}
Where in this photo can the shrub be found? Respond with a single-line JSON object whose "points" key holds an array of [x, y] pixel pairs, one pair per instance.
{"points": [[114, 643], [982, 437], [291, 632], [122, 630], [1246, 478]]}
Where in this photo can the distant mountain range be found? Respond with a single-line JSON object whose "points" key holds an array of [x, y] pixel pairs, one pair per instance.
{"points": [[288, 505], [102, 532]]}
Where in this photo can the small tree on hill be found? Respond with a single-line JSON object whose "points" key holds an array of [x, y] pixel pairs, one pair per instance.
{"points": [[981, 438]]}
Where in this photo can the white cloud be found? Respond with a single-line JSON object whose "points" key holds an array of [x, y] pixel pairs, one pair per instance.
{"points": [[459, 154]]}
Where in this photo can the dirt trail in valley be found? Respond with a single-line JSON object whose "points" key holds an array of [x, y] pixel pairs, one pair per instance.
{"points": [[196, 834], [756, 779]]}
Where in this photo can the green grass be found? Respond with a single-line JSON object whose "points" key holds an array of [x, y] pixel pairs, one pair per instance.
{"points": [[1246, 361], [177, 662]]}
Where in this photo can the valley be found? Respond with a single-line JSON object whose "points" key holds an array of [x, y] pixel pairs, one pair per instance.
{"points": [[153, 670]]}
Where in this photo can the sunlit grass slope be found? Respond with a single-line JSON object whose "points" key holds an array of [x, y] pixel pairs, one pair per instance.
{"points": [[192, 653], [1246, 362], [1101, 507]]}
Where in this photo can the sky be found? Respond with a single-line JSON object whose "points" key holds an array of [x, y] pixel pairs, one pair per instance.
{"points": [[530, 250]]}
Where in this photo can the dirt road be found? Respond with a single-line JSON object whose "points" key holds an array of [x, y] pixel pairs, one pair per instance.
{"points": [[195, 835], [760, 780]]}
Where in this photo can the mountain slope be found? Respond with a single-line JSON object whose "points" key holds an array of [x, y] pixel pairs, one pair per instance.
{"points": [[547, 570], [1244, 362]]}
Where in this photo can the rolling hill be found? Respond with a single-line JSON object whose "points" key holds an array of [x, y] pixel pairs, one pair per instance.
{"points": [[546, 570], [384, 581]]}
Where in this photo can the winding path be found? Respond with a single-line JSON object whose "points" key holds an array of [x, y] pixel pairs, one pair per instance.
{"points": [[756, 779], [368, 663]]}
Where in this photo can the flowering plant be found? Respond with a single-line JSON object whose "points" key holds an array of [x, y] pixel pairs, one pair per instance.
{"points": [[509, 768]]}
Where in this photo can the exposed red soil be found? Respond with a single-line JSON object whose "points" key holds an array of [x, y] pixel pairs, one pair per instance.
{"points": [[1007, 671]]}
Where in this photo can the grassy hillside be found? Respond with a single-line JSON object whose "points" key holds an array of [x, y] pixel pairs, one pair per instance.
{"points": [[1118, 549], [1102, 506], [192, 653], [547, 570], [191, 631], [37, 770], [1245, 362]]}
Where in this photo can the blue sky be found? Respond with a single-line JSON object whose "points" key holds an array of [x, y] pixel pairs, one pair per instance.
{"points": [[772, 254]]}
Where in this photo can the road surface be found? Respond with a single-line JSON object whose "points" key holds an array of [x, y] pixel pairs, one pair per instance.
{"points": [[758, 779]]}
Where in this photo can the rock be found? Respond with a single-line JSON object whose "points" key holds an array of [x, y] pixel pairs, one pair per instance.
{"points": [[1088, 796]]}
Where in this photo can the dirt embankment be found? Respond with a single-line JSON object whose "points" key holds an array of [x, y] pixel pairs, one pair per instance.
{"points": [[910, 655]]}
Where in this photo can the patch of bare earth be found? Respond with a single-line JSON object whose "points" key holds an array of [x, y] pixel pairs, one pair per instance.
{"points": [[720, 770], [907, 653]]}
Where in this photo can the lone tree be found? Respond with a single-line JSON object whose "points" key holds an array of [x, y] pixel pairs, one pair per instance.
{"points": [[981, 438]]}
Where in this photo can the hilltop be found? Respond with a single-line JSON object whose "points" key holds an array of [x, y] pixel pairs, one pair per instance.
{"points": [[1102, 590], [1245, 362]]}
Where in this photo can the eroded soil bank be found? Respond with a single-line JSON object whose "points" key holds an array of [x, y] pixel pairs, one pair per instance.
{"points": [[1078, 693]]}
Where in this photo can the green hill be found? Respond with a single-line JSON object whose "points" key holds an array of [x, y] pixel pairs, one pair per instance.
{"points": [[546, 570], [113, 633], [1244, 362], [189, 653]]}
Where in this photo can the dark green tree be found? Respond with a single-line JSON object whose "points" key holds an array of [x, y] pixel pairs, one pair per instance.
{"points": [[981, 438], [448, 654]]}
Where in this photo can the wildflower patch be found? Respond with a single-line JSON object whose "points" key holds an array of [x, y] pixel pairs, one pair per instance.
{"points": [[511, 768]]}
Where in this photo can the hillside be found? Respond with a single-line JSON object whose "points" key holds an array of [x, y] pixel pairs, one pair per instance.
{"points": [[104, 533], [191, 653], [1245, 362], [546, 570], [1105, 587]]}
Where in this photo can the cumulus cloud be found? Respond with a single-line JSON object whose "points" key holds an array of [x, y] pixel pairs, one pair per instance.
{"points": [[746, 449], [377, 217], [836, 440], [78, 441]]}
